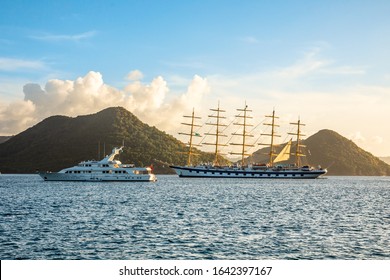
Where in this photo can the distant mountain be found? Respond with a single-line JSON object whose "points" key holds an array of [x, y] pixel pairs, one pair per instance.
{"points": [[341, 156], [4, 138], [385, 159], [58, 142]]}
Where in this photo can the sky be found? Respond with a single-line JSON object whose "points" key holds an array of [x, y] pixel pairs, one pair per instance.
{"points": [[325, 62]]}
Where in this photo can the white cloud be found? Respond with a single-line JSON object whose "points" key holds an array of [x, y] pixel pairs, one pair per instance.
{"points": [[16, 117], [355, 110], [135, 75], [65, 37], [312, 63], [90, 94], [147, 97], [150, 102], [12, 64], [344, 70], [309, 64]]}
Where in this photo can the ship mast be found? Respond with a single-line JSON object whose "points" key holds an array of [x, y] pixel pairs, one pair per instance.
{"points": [[298, 151], [191, 134], [272, 153], [218, 133], [244, 133]]}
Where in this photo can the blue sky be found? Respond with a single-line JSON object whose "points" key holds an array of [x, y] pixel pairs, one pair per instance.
{"points": [[327, 61]]}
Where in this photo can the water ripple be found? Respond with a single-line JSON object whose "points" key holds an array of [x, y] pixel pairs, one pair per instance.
{"points": [[334, 218]]}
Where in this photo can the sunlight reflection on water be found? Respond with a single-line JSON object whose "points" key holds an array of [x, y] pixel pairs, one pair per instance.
{"points": [[332, 218]]}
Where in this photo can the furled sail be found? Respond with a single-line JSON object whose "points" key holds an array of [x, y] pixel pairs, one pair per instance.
{"points": [[285, 153]]}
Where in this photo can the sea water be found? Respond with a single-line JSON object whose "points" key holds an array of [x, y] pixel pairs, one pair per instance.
{"points": [[190, 219]]}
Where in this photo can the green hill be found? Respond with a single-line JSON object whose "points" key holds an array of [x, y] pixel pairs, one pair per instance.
{"points": [[58, 142], [341, 156]]}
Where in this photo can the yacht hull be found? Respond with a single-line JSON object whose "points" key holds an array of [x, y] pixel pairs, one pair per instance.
{"points": [[53, 176]]}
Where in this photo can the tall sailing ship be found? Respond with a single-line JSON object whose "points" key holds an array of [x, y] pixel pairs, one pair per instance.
{"points": [[272, 169]]}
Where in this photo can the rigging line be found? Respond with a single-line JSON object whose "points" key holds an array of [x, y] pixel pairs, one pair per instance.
{"points": [[205, 135], [225, 147], [255, 142], [199, 128], [285, 139], [287, 135], [232, 135], [267, 129], [239, 127], [228, 125], [258, 139], [258, 125]]}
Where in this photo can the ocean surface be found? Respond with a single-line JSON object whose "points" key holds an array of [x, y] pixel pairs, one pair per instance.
{"points": [[189, 219]]}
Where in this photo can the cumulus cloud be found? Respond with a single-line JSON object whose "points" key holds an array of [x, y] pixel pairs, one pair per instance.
{"points": [[148, 101], [135, 75], [16, 117]]}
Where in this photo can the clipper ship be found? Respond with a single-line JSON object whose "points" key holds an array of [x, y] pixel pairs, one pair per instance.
{"points": [[105, 170], [270, 170]]}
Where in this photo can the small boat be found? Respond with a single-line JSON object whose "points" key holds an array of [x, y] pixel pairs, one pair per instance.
{"points": [[273, 169], [105, 170]]}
